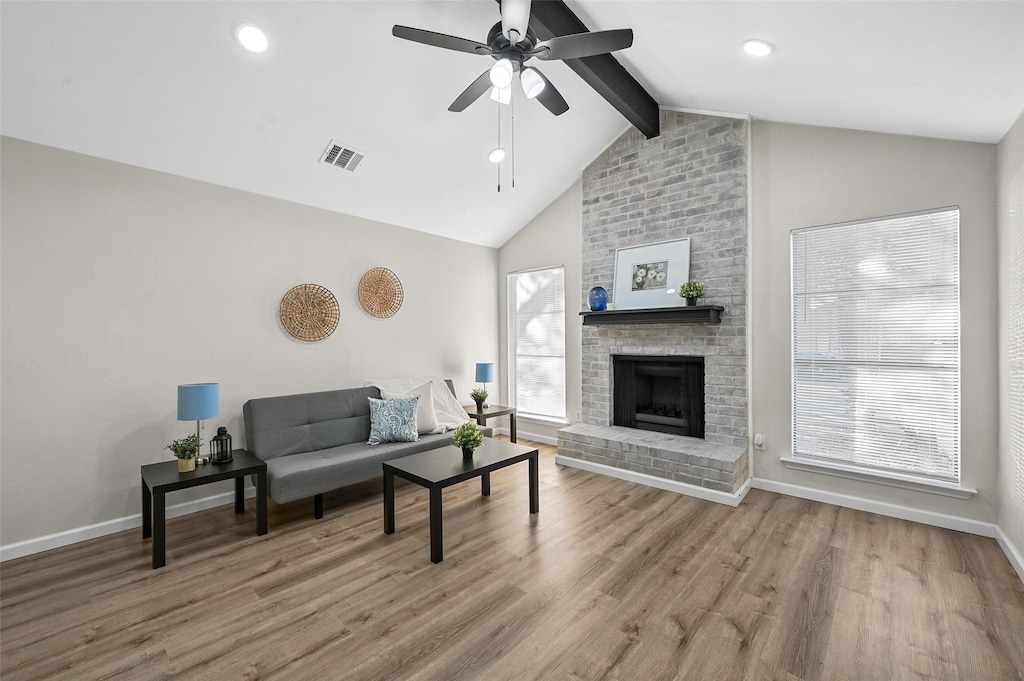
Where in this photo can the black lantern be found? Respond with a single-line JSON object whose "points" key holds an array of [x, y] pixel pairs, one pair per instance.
{"points": [[220, 446]]}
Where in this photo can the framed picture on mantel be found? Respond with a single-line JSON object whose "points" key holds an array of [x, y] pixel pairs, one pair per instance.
{"points": [[645, 274]]}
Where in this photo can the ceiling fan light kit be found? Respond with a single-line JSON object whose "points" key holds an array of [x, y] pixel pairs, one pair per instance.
{"points": [[511, 42]]}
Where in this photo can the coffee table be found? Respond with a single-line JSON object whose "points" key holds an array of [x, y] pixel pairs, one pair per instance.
{"points": [[436, 469]]}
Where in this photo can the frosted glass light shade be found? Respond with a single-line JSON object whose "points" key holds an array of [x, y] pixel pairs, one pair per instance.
{"points": [[501, 73], [533, 84], [502, 95]]}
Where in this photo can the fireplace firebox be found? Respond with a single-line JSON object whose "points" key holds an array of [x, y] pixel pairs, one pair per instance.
{"points": [[663, 394]]}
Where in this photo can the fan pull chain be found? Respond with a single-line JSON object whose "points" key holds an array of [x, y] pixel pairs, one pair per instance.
{"points": [[499, 144], [512, 150]]}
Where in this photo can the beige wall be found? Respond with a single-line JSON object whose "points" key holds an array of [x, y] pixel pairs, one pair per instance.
{"points": [[119, 283], [803, 176], [552, 238], [1010, 163]]}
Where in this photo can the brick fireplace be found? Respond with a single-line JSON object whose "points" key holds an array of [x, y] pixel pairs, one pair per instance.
{"points": [[691, 181]]}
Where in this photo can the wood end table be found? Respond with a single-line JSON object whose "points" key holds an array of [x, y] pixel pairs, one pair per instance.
{"points": [[160, 478], [493, 411]]}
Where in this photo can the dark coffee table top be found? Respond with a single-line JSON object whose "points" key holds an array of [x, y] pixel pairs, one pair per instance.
{"points": [[445, 466]]}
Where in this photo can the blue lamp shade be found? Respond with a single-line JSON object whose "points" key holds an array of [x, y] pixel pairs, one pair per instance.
{"points": [[485, 373], [198, 401]]}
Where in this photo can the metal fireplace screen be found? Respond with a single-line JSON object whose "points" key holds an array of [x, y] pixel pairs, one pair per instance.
{"points": [[663, 394]]}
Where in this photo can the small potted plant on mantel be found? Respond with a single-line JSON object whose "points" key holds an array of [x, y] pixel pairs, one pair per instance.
{"points": [[479, 396], [691, 291], [186, 450], [468, 437]]}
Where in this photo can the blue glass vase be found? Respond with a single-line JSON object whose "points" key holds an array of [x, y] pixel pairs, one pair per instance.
{"points": [[598, 299]]}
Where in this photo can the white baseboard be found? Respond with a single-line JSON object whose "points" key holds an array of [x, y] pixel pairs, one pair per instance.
{"points": [[526, 435], [950, 522], [727, 498], [1011, 551], [75, 535]]}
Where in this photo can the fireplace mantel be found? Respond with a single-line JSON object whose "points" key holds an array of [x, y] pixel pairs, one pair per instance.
{"points": [[693, 314]]}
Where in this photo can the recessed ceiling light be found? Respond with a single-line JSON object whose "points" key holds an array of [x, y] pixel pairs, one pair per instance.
{"points": [[758, 48], [251, 37], [496, 156]]}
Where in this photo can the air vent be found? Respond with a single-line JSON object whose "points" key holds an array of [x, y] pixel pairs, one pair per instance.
{"points": [[338, 155]]}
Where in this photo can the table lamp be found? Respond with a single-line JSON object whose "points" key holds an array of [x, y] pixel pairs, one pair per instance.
{"points": [[485, 374], [198, 402]]}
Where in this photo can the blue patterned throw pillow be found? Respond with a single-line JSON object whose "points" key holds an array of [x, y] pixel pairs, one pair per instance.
{"points": [[393, 420]]}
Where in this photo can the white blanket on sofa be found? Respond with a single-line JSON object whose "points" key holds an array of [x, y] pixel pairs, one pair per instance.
{"points": [[450, 414]]}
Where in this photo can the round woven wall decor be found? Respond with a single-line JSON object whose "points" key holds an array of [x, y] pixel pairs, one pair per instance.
{"points": [[309, 312], [380, 292]]}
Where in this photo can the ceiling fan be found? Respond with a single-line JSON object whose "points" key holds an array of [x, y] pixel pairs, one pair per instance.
{"points": [[511, 42]]}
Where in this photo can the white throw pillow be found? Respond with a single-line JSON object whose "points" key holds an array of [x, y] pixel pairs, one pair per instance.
{"points": [[426, 416], [450, 414]]}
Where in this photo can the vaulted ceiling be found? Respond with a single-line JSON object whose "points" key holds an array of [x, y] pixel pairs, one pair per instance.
{"points": [[164, 86]]}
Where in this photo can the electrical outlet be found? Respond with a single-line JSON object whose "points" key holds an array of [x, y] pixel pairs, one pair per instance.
{"points": [[579, 416], [759, 442]]}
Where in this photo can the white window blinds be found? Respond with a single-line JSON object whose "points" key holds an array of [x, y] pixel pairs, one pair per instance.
{"points": [[1015, 341], [536, 342], [876, 344]]}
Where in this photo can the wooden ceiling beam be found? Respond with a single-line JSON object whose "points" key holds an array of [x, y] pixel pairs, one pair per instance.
{"points": [[550, 18]]}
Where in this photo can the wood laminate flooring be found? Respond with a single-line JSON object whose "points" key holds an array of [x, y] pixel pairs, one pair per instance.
{"points": [[611, 580]]}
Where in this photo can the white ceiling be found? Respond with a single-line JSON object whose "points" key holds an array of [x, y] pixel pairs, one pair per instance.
{"points": [[162, 85]]}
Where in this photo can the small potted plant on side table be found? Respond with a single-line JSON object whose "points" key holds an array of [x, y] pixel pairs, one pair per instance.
{"points": [[468, 437], [691, 291], [479, 396], [186, 450]]}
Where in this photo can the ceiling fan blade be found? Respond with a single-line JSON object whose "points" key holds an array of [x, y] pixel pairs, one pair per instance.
{"points": [[551, 98], [473, 92], [515, 16], [584, 44], [448, 42]]}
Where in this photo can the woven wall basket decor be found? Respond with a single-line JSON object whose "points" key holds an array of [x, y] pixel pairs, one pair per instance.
{"points": [[380, 292], [309, 312]]}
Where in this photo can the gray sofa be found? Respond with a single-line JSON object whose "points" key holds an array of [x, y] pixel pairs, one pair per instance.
{"points": [[316, 442]]}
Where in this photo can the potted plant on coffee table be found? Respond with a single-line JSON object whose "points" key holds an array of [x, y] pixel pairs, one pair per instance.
{"points": [[479, 396], [186, 450], [468, 437], [691, 291]]}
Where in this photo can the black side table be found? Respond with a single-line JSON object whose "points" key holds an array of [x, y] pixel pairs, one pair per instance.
{"points": [[492, 411], [160, 478]]}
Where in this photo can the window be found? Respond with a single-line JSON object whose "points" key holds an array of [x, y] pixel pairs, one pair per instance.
{"points": [[1015, 341], [536, 342], [876, 344]]}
